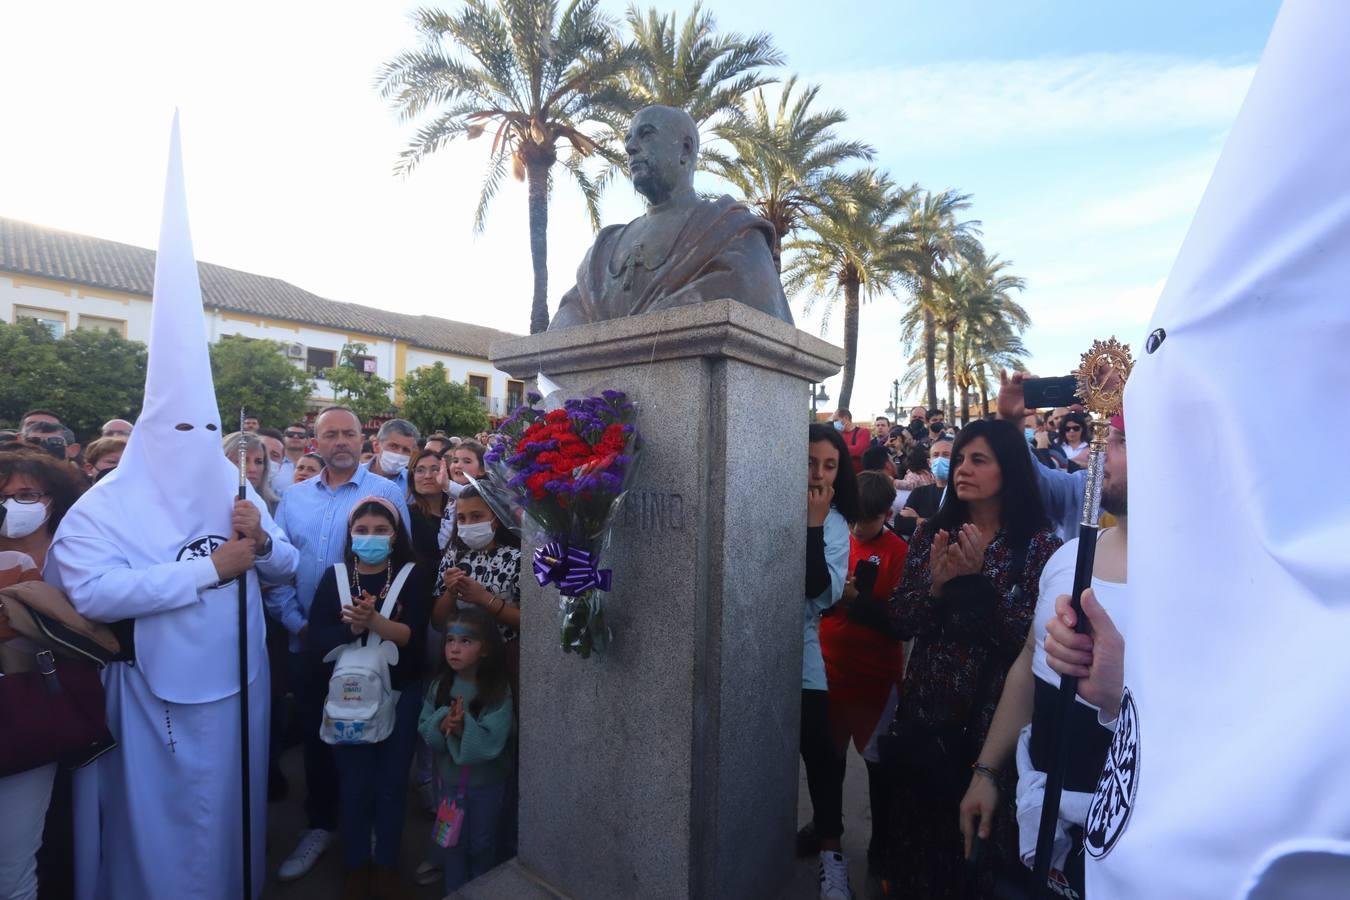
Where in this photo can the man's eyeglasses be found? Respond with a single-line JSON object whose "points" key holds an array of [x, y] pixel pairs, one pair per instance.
{"points": [[26, 497], [298, 435], [51, 443]]}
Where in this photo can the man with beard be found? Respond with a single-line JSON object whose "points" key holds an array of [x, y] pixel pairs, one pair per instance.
{"points": [[1024, 725], [684, 249]]}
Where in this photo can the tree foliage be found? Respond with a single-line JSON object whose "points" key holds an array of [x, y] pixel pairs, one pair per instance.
{"points": [[525, 71], [942, 239], [431, 401], [691, 66], [366, 394], [86, 377], [783, 161], [856, 249], [256, 375]]}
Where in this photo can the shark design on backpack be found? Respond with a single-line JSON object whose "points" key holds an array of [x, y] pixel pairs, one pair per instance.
{"points": [[360, 704]]}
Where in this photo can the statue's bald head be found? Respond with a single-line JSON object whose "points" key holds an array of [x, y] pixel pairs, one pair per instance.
{"points": [[662, 146]]}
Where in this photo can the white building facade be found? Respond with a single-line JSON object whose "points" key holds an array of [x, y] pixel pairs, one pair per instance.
{"points": [[68, 281]]}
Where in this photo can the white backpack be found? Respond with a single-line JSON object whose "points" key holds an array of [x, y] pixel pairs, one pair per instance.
{"points": [[360, 704]]}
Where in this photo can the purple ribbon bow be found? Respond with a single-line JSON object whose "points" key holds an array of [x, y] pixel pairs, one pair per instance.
{"points": [[572, 569]]}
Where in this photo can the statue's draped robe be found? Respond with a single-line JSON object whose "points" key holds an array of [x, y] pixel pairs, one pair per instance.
{"points": [[725, 251]]}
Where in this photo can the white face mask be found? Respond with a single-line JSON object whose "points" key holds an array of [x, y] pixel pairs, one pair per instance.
{"points": [[478, 535], [22, 519], [392, 463]]}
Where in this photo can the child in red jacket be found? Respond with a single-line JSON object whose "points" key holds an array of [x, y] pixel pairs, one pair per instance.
{"points": [[863, 658]]}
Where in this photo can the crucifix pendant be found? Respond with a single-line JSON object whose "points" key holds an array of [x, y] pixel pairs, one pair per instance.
{"points": [[168, 725]]}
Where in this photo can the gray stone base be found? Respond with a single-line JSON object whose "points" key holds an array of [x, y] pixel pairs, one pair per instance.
{"points": [[667, 769], [509, 881]]}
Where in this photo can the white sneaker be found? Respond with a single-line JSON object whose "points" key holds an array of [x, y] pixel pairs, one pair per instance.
{"points": [[429, 872], [834, 876], [312, 845]]}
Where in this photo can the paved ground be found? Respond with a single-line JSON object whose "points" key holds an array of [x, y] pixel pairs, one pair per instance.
{"points": [[286, 820]]}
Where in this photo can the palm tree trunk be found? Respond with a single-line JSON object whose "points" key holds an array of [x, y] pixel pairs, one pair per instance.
{"points": [[965, 405], [930, 350], [850, 340], [951, 368], [536, 172], [984, 393]]}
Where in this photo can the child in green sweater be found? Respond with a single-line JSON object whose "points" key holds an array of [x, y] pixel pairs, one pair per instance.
{"points": [[467, 722]]}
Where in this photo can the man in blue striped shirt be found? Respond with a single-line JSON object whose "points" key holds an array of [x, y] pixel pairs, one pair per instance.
{"points": [[314, 516]]}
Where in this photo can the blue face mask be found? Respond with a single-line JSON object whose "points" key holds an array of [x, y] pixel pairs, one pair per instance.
{"points": [[942, 467], [838, 425], [372, 549], [1030, 433]]}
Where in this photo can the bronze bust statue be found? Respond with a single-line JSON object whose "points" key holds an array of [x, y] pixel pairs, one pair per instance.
{"points": [[684, 249]]}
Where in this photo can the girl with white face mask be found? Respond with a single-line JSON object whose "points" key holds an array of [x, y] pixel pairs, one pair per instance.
{"points": [[481, 567], [462, 461]]}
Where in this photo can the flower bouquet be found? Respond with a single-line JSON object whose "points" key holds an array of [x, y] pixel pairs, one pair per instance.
{"points": [[567, 468]]}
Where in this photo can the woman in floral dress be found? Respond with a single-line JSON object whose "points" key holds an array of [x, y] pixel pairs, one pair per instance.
{"points": [[966, 599]]}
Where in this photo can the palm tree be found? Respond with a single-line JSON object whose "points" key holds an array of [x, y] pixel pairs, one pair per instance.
{"points": [[692, 67], [972, 297], [782, 162], [998, 347], [980, 352], [856, 249], [940, 239], [524, 70]]}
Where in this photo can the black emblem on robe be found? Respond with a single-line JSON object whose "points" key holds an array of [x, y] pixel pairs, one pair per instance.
{"points": [[202, 548], [1114, 801]]}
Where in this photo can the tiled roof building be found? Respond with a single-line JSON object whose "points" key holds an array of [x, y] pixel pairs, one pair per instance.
{"points": [[68, 280]]}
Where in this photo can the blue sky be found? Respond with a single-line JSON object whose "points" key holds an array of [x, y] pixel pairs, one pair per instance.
{"points": [[1085, 132]]}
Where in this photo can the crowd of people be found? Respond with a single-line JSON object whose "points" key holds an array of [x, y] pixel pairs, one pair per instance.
{"points": [[935, 556], [939, 563], [383, 535]]}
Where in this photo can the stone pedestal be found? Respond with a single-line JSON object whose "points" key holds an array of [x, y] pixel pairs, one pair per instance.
{"points": [[668, 768]]}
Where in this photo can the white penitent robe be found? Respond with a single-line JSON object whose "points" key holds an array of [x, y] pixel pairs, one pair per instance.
{"points": [[158, 818], [1227, 777]]}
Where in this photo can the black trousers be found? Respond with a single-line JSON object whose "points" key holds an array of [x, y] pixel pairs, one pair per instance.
{"points": [[824, 766], [309, 678]]}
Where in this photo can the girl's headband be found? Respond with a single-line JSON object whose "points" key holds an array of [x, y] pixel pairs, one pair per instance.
{"points": [[378, 501]]}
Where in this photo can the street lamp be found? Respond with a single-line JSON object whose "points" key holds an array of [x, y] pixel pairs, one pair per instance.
{"points": [[818, 396]]}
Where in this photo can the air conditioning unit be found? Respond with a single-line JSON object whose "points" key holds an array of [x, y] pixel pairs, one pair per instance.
{"points": [[295, 351]]}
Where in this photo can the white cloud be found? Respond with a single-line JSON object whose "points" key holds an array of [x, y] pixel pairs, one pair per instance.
{"points": [[1168, 195], [957, 105], [289, 151]]}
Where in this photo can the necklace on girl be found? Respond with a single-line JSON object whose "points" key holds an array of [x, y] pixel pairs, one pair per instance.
{"points": [[384, 591]]}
